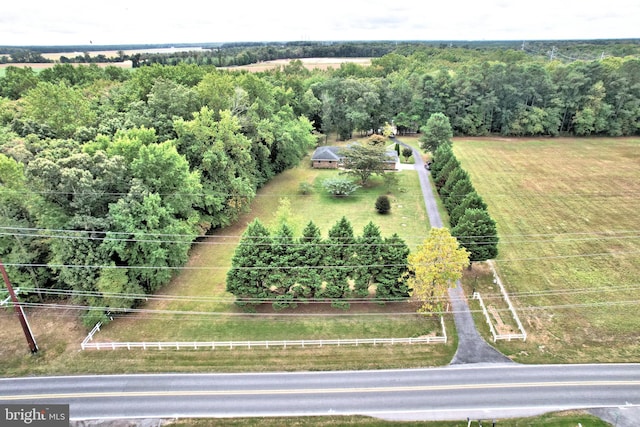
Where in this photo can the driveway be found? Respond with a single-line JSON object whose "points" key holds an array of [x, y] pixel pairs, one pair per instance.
{"points": [[472, 348]]}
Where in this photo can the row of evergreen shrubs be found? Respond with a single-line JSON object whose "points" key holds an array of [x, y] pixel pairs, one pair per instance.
{"points": [[281, 269], [469, 218]]}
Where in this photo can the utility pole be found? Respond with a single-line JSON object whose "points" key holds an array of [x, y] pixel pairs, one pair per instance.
{"points": [[19, 311], [553, 53]]}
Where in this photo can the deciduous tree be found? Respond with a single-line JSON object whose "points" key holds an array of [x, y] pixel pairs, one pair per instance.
{"points": [[61, 107], [436, 132], [436, 263], [363, 160]]}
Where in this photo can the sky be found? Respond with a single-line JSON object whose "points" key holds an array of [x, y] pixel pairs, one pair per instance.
{"points": [[81, 22]]}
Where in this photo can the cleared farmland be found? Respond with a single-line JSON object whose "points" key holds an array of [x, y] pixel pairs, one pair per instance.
{"points": [[568, 218]]}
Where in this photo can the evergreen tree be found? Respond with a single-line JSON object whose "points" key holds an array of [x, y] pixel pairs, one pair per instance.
{"points": [[440, 157], [476, 231], [470, 201], [283, 271], [458, 193], [383, 206], [311, 255], [454, 176], [338, 262], [248, 277], [368, 259], [441, 177], [391, 280]]}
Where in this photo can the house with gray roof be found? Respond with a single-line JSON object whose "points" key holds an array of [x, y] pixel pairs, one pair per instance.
{"points": [[327, 157], [330, 157]]}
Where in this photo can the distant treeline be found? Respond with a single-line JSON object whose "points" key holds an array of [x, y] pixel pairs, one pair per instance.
{"points": [[244, 53]]}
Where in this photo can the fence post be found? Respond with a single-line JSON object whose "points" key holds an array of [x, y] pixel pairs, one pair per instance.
{"points": [[444, 330]]}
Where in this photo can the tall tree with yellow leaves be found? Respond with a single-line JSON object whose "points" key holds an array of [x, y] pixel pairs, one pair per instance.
{"points": [[437, 262]]}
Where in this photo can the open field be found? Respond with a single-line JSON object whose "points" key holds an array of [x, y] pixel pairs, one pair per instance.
{"points": [[114, 53], [567, 216], [41, 66], [59, 334], [310, 63]]}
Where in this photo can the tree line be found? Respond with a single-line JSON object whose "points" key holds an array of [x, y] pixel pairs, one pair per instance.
{"points": [[469, 217], [285, 270], [108, 178]]}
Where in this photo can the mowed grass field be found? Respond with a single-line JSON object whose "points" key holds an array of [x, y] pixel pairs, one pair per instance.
{"points": [[568, 216], [206, 311]]}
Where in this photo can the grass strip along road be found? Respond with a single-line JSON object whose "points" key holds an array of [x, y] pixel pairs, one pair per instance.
{"points": [[428, 394]]}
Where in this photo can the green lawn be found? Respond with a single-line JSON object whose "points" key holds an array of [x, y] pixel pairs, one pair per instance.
{"points": [[219, 319], [564, 419], [224, 321], [567, 216]]}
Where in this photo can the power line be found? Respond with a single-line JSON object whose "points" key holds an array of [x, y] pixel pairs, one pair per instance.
{"points": [[79, 307], [291, 195], [210, 299], [276, 267], [325, 243], [47, 232]]}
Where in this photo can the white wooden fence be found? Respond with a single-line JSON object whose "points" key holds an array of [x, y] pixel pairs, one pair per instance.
{"points": [[523, 334], [212, 345], [476, 295], [7, 300]]}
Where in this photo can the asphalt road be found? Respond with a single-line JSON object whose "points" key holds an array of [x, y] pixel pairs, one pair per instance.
{"points": [[479, 391]]}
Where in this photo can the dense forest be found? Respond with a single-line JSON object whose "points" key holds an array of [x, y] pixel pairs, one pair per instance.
{"points": [[108, 175]]}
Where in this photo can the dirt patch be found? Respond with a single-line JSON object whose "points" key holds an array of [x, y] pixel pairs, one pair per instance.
{"points": [[56, 332], [501, 328]]}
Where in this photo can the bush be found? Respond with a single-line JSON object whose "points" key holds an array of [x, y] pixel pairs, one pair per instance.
{"points": [[406, 153], [383, 206], [305, 188], [340, 186]]}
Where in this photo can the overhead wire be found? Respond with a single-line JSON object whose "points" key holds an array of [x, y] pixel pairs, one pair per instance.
{"points": [[224, 299], [298, 267], [120, 312], [329, 241]]}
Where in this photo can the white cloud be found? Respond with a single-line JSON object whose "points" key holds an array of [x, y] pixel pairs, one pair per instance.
{"points": [[120, 21]]}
